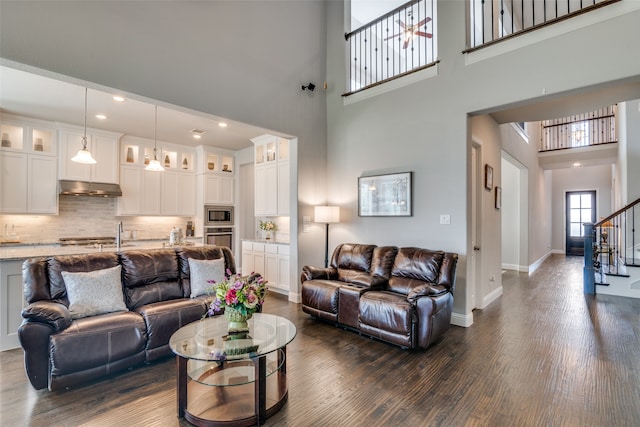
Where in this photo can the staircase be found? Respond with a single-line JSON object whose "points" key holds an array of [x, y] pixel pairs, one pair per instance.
{"points": [[612, 254]]}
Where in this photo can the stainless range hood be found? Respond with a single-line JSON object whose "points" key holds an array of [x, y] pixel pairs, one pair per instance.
{"points": [[93, 189]]}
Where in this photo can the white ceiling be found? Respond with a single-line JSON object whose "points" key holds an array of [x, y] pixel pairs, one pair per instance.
{"points": [[50, 98]]}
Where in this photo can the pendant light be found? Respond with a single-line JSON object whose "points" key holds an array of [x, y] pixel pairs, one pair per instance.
{"points": [[84, 156], [154, 165]]}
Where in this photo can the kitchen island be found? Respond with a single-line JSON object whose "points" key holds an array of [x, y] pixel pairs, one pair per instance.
{"points": [[12, 255]]}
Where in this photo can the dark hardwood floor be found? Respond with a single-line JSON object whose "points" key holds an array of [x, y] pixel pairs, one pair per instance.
{"points": [[544, 354]]}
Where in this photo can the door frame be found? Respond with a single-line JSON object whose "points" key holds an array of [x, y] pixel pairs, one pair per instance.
{"points": [[594, 214]]}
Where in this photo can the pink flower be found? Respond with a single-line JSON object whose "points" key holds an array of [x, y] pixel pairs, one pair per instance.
{"points": [[231, 297]]}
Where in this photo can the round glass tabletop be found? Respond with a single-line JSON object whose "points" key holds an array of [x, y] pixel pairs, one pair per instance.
{"points": [[209, 340]]}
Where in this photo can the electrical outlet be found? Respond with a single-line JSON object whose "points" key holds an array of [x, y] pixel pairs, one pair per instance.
{"points": [[445, 219]]}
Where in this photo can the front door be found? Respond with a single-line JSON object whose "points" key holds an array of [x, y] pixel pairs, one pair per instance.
{"points": [[581, 208]]}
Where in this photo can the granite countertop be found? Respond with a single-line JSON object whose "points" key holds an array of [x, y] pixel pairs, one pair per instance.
{"points": [[22, 251], [265, 241]]}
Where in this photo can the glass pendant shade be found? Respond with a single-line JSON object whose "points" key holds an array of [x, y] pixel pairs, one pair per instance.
{"points": [[154, 165]]}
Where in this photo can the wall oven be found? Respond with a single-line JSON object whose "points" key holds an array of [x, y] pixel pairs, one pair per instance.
{"points": [[215, 216], [219, 236]]}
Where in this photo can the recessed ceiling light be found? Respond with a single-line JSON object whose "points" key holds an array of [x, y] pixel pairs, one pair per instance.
{"points": [[577, 165], [196, 136], [222, 124], [118, 98], [101, 116]]}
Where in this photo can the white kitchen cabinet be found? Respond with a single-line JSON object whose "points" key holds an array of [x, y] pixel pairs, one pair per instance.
{"points": [[218, 189], [104, 149], [169, 192], [28, 171], [272, 176], [28, 184], [216, 176], [11, 303], [271, 260], [178, 193]]}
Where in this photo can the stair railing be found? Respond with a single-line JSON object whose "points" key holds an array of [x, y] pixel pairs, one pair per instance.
{"points": [[613, 244]]}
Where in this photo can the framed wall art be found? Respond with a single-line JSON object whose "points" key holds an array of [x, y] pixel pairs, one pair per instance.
{"points": [[488, 177], [385, 195]]}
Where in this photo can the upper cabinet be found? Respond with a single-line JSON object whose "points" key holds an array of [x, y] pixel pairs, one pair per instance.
{"points": [[168, 192], [28, 183], [216, 176], [103, 147], [272, 176]]}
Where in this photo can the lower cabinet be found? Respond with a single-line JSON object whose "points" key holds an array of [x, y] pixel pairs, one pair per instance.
{"points": [[11, 303], [271, 260]]}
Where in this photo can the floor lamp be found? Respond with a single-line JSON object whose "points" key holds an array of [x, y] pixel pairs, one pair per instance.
{"points": [[327, 215]]}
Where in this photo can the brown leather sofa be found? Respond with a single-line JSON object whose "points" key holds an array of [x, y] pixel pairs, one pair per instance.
{"points": [[60, 352], [399, 295]]}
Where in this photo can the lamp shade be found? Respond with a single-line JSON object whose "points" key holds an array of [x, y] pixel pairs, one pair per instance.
{"points": [[326, 214]]}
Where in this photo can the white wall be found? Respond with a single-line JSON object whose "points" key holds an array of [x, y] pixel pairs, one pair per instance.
{"points": [[596, 178], [510, 216], [423, 127]]}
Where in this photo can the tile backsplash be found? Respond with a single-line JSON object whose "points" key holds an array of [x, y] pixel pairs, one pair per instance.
{"points": [[87, 217]]}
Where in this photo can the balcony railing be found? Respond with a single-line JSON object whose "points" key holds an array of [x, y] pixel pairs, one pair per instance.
{"points": [[581, 130], [495, 20], [398, 43]]}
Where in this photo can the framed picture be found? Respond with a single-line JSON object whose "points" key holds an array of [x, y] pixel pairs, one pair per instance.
{"points": [[488, 177], [498, 197], [385, 195]]}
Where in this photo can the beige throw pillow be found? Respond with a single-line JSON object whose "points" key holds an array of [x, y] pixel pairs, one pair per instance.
{"points": [[202, 271], [94, 292]]}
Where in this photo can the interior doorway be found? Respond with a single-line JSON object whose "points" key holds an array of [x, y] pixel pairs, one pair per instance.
{"points": [[580, 208], [515, 218]]}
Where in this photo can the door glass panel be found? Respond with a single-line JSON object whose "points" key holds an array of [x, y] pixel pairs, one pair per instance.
{"points": [[575, 230], [575, 215], [585, 200]]}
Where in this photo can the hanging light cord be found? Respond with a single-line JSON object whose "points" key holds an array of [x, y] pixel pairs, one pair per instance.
{"points": [[155, 135], [84, 138]]}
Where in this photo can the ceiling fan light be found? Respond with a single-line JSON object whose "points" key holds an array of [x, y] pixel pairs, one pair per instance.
{"points": [[84, 157]]}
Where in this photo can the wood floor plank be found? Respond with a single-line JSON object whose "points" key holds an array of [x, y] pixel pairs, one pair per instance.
{"points": [[543, 354]]}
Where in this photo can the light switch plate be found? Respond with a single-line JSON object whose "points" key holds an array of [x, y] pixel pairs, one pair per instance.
{"points": [[445, 219]]}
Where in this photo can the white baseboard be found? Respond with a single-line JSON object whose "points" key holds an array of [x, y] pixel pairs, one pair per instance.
{"points": [[491, 297], [464, 320], [533, 267], [295, 297], [516, 267]]}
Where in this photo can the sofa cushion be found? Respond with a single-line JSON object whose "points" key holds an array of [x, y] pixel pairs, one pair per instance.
{"points": [[97, 341], [202, 253], [94, 292], [150, 276], [353, 263], [204, 274], [320, 298], [387, 316], [414, 267]]}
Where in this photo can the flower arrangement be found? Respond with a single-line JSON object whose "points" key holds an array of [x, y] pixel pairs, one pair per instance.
{"points": [[268, 225], [243, 294]]}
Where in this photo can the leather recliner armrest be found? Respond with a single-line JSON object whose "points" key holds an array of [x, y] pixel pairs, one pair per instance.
{"points": [[50, 312], [310, 273], [426, 289]]}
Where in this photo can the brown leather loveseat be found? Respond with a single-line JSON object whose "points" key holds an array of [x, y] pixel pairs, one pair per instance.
{"points": [[399, 295], [62, 351]]}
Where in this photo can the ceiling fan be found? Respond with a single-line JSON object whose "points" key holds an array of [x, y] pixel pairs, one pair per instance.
{"points": [[411, 31]]}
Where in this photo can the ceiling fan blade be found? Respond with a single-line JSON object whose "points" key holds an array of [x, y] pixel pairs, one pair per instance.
{"points": [[402, 25], [393, 36], [406, 43], [424, 21], [423, 34]]}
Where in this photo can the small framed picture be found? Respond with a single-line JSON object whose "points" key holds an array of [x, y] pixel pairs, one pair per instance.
{"points": [[488, 177], [498, 197]]}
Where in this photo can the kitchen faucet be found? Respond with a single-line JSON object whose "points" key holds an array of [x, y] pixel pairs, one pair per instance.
{"points": [[119, 230]]}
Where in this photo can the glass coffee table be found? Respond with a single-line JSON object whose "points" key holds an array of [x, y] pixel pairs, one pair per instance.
{"points": [[232, 380]]}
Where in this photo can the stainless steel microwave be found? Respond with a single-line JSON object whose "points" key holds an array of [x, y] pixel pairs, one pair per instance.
{"points": [[218, 215]]}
